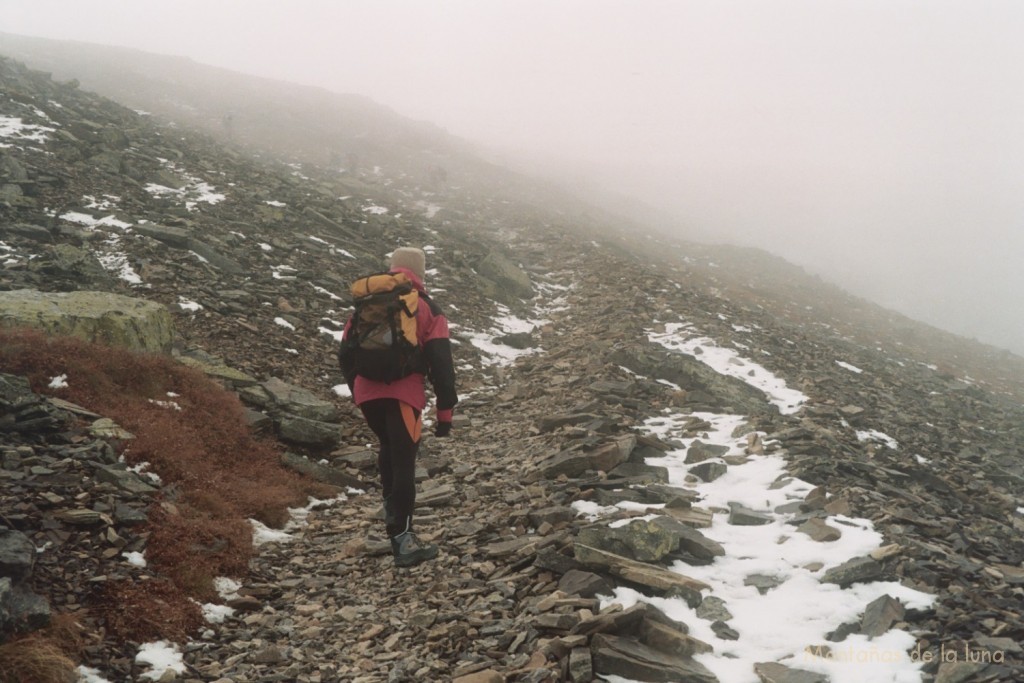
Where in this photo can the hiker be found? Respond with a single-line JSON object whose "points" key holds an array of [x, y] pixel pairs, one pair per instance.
{"points": [[394, 409]]}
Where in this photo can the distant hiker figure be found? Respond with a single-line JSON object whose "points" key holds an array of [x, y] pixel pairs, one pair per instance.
{"points": [[395, 339]]}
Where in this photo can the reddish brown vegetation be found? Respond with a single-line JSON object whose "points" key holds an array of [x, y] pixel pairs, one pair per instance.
{"points": [[148, 610], [222, 475], [46, 656]]}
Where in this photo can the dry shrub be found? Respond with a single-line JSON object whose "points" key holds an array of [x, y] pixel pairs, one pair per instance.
{"points": [[148, 610], [192, 549], [222, 473], [35, 659], [67, 632]]}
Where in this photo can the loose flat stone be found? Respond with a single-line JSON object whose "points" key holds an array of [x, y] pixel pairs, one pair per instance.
{"points": [[772, 672], [700, 451], [614, 655], [763, 582], [741, 515], [880, 615], [818, 530], [857, 570], [663, 580], [709, 471]]}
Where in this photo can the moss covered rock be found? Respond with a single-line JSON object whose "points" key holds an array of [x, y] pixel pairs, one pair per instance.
{"points": [[93, 316]]}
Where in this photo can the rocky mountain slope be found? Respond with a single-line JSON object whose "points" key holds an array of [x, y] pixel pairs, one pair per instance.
{"points": [[589, 429]]}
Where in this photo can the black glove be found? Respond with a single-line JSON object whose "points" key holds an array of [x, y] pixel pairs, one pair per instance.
{"points": [[443, 429]]}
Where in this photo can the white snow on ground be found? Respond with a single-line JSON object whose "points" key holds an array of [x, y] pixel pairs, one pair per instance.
{"points": [[1020, 510], [282, 272], [92, 222], [284, 323], [14, 129], [342, 390], [429, 210], [117, 263], [107, 203], [90, 675], [111, 258], [266, 247], [261, 533], [877, 436], [314, 238], [160, 656], [188, 305], [678, 337], [142, 469], [194, 192], [504, 323], [227, 589], [334, 334], [275, 203], [375, 210], [800, 611], [851, 368], [321, 290], [135, 559], [10, 252], [59, 382]]}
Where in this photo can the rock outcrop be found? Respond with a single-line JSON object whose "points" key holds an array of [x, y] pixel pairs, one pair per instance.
{"points": [[98, 317]]}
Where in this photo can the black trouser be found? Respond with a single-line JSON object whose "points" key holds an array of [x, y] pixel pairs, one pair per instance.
{"points": [[397, 425]]}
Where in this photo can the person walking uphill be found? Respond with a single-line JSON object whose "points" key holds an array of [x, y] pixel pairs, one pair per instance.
{"points": [[396, 338]]}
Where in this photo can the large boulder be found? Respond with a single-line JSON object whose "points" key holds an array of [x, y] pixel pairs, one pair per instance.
{"points": [[510, 282], [93, 316]]}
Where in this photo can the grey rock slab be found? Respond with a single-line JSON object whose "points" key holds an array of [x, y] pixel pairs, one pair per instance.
{"points": [[305, 432], [552, 515], [665, 638], [575, 463], [709, 471], [511, 281], [614, 655], [125, 480], [671, 496], [299, 402], [699, 452], [17, 555], [773, 672], [585, 584], [315, 470], [581, 667], [763, 582], [880, 615], [662, 580], [93, 316], [639, 540], [959, 671], [857, 570], [818, 530], [21, 610], [689, 540], [740, 515], [713, 609]]}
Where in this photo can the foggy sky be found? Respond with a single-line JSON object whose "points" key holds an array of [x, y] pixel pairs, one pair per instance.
{"points": [[879, 143]]}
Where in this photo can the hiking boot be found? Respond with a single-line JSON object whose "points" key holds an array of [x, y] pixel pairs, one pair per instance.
{"points": [[409, 551]]}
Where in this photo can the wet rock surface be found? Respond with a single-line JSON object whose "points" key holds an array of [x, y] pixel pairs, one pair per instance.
{"points": [[931, 458]]}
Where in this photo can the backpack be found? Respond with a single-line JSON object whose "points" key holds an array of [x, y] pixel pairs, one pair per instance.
{"points": [[382, 343]]}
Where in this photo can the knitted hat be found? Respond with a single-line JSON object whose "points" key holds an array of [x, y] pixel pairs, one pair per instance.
{"points": [[412, 258]]}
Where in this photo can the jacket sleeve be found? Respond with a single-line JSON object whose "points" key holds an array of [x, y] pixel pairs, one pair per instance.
{"points": [[346, 357], [437, 352]]}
